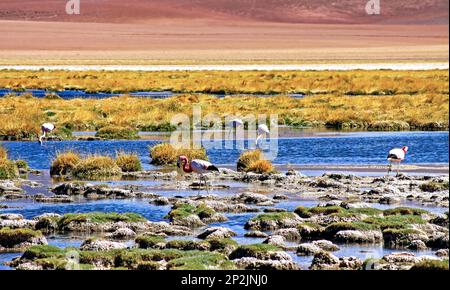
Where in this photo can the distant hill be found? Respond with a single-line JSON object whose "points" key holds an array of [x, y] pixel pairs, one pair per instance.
{"points": [[288, 11]]}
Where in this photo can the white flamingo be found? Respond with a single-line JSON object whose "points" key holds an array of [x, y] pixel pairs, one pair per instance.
{"points": [[396, 155], [234, 124], [196, 166], [263, 130], [46, 128]]}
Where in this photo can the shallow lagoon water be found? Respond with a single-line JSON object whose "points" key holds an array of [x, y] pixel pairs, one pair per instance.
{"points": [[363, 148], [342, 148]]}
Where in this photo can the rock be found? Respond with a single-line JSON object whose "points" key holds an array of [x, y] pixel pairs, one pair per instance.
{"points": [[216, 233], [355, 236], [438, 240], [161, 201], [191, 221], [278, 241], [272, 209], [255, 234], [19, 239], [122, 233], [401, 258], [253, 198], [326, 245], [11, 216], [417, 245], [249, 263], [101, 245], [8, 187], [403, 237], [389, 200], [291, 234], [442, 253], [324, 261], [274, 221], [53, 199], [280, 197], [29, 266], [326, 183], [350, 263], [308, 249]]}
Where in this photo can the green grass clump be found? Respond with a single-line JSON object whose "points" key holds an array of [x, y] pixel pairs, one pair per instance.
{"points": [[161, 127], [8, 169], [128, 162], [166, 154], [117, 133], [404, 211], [202, 261], [148, 241], [187, 245], [305, 212], [254, 250], [100, 217], [9, 238], [222, 245], [253, 161], [185, 210], [431, 265], [96, 167], [395, 221], [64, 163], [434, 186], [42, 251]]}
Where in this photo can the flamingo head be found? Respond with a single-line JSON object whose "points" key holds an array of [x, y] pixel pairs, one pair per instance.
{"points": [[182, 160], [405, 149]]}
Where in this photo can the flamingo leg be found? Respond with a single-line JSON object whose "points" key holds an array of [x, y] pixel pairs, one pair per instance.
{"points": [[398, 169], [389, 168]]}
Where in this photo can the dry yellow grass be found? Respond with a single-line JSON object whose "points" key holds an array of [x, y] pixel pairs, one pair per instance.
{"points": [[253, 161], [128, 162], [64, 163], [376, 100], [166, 154], [282, 82], [96, 167], [3, 153]]}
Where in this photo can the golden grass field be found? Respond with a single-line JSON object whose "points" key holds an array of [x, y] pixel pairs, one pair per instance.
{"points": [[249, 82], [374, 100]]}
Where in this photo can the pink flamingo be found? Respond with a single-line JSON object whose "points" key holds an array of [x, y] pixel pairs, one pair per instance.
{"points": [[196, 166], [396, 155]]}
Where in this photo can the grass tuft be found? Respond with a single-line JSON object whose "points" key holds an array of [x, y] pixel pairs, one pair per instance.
{"points": [[128, 162], [117, 133], [64, 163], [166, 154], [96, 167]]}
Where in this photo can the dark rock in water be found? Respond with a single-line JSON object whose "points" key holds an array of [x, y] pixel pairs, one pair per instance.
{"points": [[291, 234], [92, 191], [248, 263], [161, 201], [122, 233], [275, 210], [439, 241], [356, 236], [417, 245], [101, 245], [216, 233], [403, 237], [255, 234], [53, 199], [324, 261]]}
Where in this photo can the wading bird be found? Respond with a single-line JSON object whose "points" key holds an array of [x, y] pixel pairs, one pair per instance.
{"points": [[46, 128], [234, 124], [263, 130], [196, 166], [396, 155]]}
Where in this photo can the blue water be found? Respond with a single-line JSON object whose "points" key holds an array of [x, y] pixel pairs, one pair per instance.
{"points": [[347, 148], [73, 94]]}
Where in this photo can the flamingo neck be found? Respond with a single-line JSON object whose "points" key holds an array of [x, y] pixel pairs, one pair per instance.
{"points": [[187, 167]]}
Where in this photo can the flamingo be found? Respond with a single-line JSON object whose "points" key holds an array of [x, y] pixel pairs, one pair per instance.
{"points": [[396, 155], [196, 166], [263, 130], [46, 128], [234, 124]]}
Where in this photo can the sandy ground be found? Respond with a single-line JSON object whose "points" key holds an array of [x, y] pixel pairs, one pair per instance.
{"points": [[202, 42]]}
